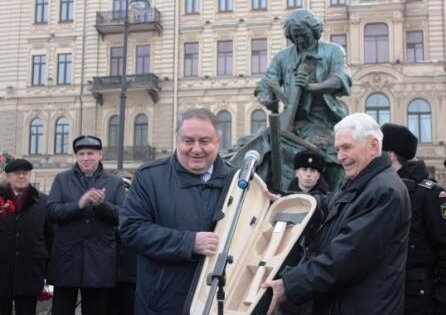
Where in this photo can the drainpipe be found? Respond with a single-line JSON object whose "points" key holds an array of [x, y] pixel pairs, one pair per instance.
{"points": [[81, 91]]}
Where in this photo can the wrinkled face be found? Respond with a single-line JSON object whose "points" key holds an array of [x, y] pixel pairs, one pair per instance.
{"points": [[197, 145], [354, 155], [19, 180], [88, 160], [308, 177], [303, 37]]}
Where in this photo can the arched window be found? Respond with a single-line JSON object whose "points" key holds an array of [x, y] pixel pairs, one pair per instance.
{"points": [[113, 131], [141, 129], [36, 136], [419, 120], [378, 106], [376, 43], [258, 120], [224, 126], [61, 136]]}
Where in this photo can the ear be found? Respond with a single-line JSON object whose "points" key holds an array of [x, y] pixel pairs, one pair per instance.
{"points": [[374, 147]]}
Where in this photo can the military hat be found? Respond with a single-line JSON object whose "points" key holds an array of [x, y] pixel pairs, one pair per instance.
{"points": [[18, 165], [400, 140], [87, 142], [309, 159]]}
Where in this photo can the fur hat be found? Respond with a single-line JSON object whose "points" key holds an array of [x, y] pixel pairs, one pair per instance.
{"points": [[400, 140], [309, 159], [18, 165], [87, 142]]}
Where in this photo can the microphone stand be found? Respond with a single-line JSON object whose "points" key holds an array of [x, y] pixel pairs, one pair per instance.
{"points": [[217, 278]]}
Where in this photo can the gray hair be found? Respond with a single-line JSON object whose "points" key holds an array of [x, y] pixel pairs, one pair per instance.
{"points": [[198, 113], [362, 127]]}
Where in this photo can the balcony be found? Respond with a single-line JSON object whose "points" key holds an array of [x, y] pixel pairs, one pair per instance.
{"points": [[134, 153], [147, 81], [112, 22]]}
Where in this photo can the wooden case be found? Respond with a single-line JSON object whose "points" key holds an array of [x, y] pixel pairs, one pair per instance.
{"points": [[258, 247]]}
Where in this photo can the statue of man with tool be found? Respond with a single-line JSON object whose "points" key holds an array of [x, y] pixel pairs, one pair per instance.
{"points": [[307, 77]]}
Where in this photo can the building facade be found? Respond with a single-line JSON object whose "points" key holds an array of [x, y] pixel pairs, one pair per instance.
{"points": [[61, 64]]}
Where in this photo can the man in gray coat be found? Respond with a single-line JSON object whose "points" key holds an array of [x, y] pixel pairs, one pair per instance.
{"points": [[356, 261], [83, 203], [169, 214]]}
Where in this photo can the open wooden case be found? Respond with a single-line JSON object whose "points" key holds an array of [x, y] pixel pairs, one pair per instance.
{"points": [[264, 235]]}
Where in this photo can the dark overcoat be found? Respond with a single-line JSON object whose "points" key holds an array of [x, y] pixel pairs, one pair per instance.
{"points": [[84, 250], [165, 208], [25, 240], [357, 259]]}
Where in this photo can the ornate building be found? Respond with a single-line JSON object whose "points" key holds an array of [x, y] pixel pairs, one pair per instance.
{"points": [[61, 62]]}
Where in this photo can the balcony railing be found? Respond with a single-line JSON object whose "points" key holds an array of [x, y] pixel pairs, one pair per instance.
{"points": [[147, 81], [134, 153], [112, 22]]}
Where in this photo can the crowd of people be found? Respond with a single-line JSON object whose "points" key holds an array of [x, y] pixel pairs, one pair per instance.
{"points": [[378, 245]]}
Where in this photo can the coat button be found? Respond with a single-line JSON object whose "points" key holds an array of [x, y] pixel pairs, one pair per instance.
{"points": [[412, 246], [17, 253], [87, 221], [422, 292]]}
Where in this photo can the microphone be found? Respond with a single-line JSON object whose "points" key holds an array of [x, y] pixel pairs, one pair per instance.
{"points": [[250, 162]]}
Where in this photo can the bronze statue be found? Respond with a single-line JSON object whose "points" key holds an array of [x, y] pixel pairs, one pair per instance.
{"points": [[307, 77]]}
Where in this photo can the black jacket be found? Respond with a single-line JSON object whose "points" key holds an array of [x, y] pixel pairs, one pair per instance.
{"points": [[25, 240], [84, 250], [426, 260], [357, 259], [165, 208]]}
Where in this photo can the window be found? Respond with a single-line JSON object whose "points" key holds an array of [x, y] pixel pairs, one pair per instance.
{"points": [[41, 14], [224, 127], [118, 9], [66, 10], [192, 6], [61, 136], [141, 131], [258, 56], [191, 59], [340, 39], [415, 46], [39, 70], [376, 43], [63, 69], [292, 4], [225, 5], [224, 62], [378, 106], [258, 4], [113, 131], [36, 136], [116, 60], [338, 2], [142, 59], [258, 120], [419, 120]]}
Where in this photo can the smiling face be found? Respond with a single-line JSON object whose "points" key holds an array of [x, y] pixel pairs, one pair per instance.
{"points": [[197, 145], [88, 160], [355, 155]]}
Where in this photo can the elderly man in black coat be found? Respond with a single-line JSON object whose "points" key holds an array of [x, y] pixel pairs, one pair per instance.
{"points": [[356, 259], [84, 202], [25, 238]]}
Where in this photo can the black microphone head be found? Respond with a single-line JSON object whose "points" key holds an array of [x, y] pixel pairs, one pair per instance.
{"points": [[252, 154]]}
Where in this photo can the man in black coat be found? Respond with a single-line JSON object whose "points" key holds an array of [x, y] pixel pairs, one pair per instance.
{"points": [[356, 259], [84, 203], [426, 259], [170, 212], [25, 240]]}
